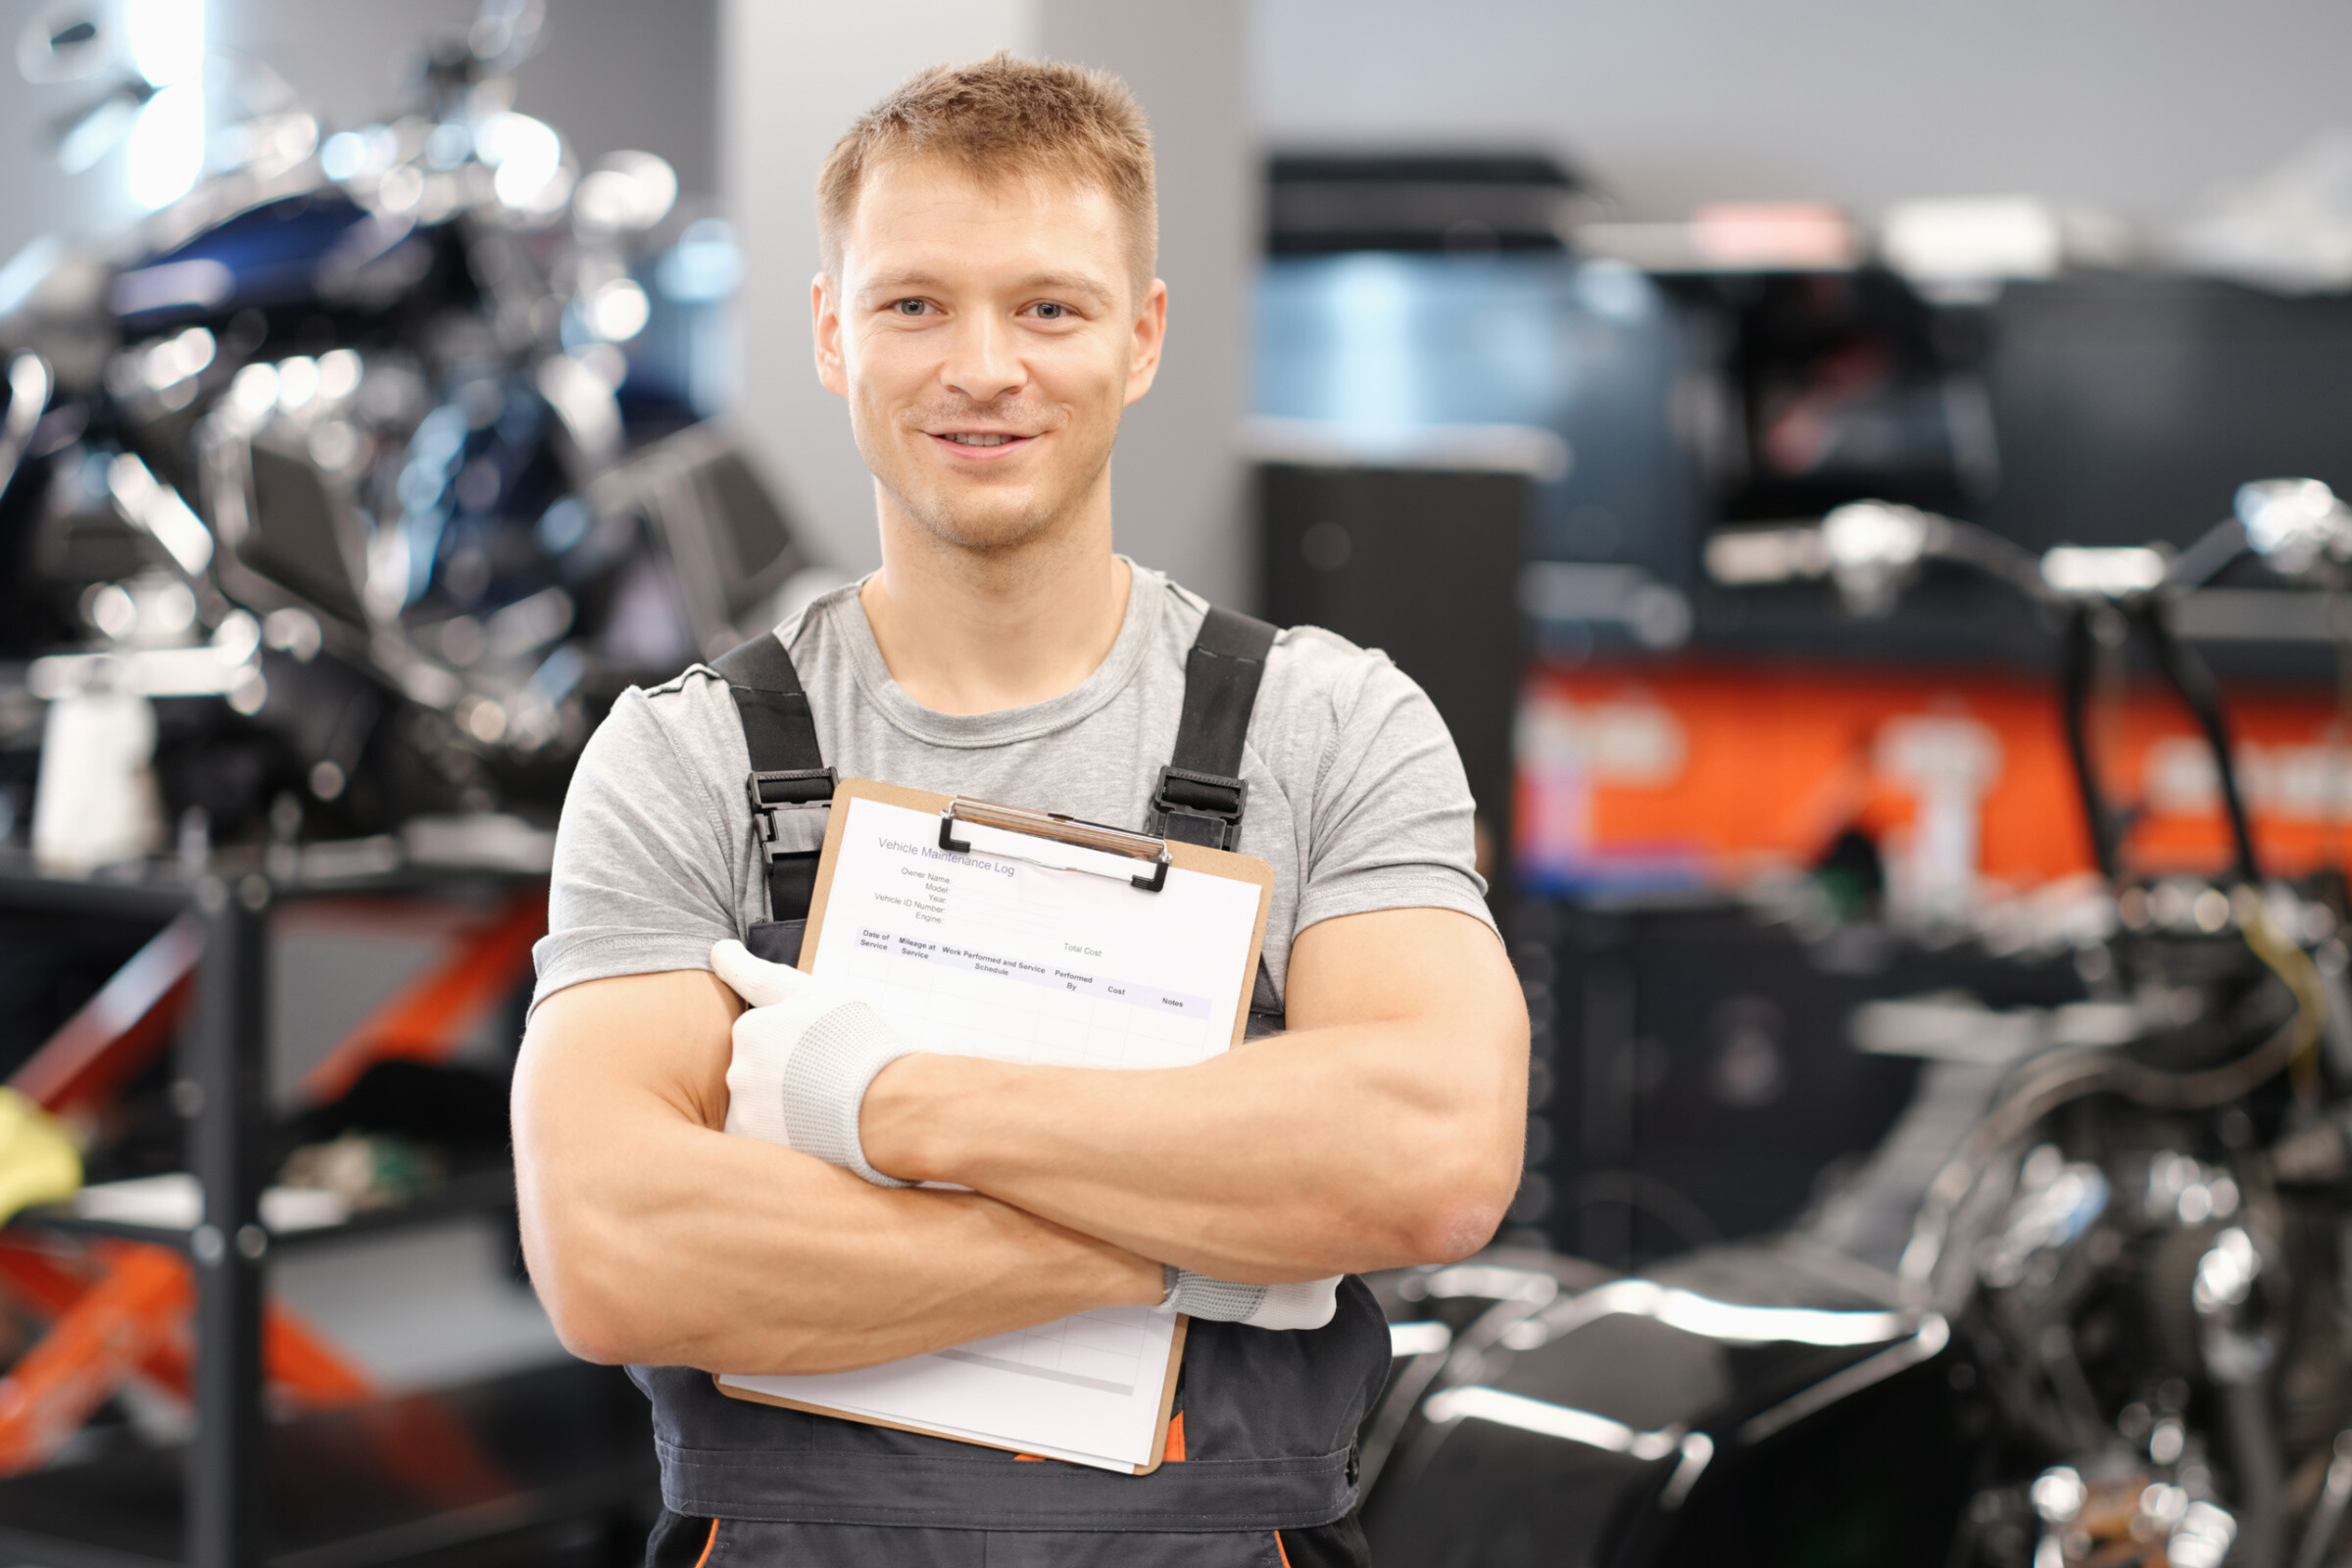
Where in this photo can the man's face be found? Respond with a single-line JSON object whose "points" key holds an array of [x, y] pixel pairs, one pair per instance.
{"points": [[987, 337]]}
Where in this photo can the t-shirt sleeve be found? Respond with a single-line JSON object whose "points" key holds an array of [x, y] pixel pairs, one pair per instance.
{"points": [[640, 883], [1392, 812]]}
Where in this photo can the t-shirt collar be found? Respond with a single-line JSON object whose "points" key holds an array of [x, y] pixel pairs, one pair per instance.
{"points": [[1146, 594]]}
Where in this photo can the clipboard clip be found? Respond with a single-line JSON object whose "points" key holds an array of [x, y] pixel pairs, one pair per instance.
{"points": [[1060, 830]]}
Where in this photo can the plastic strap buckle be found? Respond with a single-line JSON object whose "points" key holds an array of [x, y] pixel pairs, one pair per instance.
{"points": [[786, 789], [1211, 800]]}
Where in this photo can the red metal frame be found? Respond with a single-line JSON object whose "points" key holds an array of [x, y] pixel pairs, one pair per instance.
{"points": [[430, 1017], [109, 1330], [79, 1070], [117, 1310]]}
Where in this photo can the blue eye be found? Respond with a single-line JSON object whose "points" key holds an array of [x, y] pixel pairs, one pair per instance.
{"points": [[911, 307], [1050, 312]]}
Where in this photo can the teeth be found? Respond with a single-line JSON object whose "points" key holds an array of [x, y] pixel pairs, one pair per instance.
{"points": [[979, 440]]}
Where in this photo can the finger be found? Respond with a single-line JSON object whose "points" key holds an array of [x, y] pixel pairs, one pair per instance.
{"points": [[756, 980]]}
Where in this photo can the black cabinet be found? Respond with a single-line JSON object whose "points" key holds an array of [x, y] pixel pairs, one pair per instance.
{"points": [[1423, 564]]}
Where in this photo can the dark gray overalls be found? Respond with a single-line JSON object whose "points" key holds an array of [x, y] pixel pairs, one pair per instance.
{"points": [[1265, 1421]]}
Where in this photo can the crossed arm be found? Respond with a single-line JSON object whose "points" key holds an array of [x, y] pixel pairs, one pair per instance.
{"points": [[1384, 1129]]}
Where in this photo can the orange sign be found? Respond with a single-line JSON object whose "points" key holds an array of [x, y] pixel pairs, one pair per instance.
{"points": [[1710, 772]]}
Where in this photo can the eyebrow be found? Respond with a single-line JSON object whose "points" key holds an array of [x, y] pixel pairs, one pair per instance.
{"points": [[894, 283]]}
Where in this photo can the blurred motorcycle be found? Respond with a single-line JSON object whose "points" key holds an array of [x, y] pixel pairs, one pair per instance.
{"points": [[2088, 1303], [333, 500]]}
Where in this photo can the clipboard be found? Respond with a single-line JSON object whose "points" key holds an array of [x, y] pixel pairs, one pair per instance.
{"points": [[974, 829]]}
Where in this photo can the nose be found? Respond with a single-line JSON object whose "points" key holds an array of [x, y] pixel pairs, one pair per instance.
{"points": [[981, 362]]}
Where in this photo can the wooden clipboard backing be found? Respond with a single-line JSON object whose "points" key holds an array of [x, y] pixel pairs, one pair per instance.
{"points": [[1186, 856]]}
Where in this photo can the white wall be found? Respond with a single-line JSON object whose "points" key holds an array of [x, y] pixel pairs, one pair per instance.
{"points": [[612, 74], [36, 197], [794, 72], [2136, 104], [608, 74]]}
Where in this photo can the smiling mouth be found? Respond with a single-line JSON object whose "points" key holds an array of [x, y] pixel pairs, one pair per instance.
{"points": [[980, 446]]}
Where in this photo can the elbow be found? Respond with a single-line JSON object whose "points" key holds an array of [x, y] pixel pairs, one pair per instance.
{"points": [[591, 1325], [1443, 1216], [1447, 1226], [1457, 1206], [1466, 1173], [618, 1332], [593, 1337], [596, 1342], [593, 1319], [597, 1300]]}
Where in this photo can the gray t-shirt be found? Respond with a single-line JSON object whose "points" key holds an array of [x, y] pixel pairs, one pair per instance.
{"points": [[1357, 797]]}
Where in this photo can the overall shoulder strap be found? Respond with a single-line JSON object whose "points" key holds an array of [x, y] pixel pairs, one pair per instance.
{"points": [[788, 767], [1202, 796]]}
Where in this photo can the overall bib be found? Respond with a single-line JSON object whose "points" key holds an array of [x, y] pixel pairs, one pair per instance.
{"points": [[1264, 1421]]}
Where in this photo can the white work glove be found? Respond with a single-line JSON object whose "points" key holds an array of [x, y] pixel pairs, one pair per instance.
{"points": [[805, 1054], [1309, 1305]]}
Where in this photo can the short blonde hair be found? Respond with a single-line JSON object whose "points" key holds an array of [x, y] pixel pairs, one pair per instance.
{"points": [[1003, 118]]}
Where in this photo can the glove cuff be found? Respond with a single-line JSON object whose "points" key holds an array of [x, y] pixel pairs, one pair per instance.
{"points": [[1308, 1304], [1220, 1300], [825, 1080]]}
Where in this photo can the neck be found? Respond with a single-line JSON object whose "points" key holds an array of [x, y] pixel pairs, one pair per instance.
{"points": [[972, 632]]}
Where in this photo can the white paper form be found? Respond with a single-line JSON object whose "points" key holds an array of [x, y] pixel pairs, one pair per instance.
{"points": [[985, 955]]}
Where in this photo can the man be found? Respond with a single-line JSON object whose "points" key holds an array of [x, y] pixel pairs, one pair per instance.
{"points": [[987, 307]]}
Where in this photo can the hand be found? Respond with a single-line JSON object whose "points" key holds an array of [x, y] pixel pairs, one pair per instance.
{"points": [[1308, 1306], [805, 1054]]}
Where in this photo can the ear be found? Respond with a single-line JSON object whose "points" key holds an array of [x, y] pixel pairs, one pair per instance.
{"points": [[1151, 330], [824, 320]]}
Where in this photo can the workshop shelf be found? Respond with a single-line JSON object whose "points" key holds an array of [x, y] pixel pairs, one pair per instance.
{"points": [[299, 1460]]}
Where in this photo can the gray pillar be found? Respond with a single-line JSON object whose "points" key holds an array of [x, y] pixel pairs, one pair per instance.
{"points": [[225, 1056], [1177, 483]]}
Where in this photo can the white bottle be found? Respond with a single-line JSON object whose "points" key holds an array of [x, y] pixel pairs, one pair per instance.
{"points": [[96, 802]]}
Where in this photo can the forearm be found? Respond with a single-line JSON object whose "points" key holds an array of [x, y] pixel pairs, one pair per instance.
{"points": [[655, 1238], [736, 1256], [1384, 1130], [1316, 1153]]}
